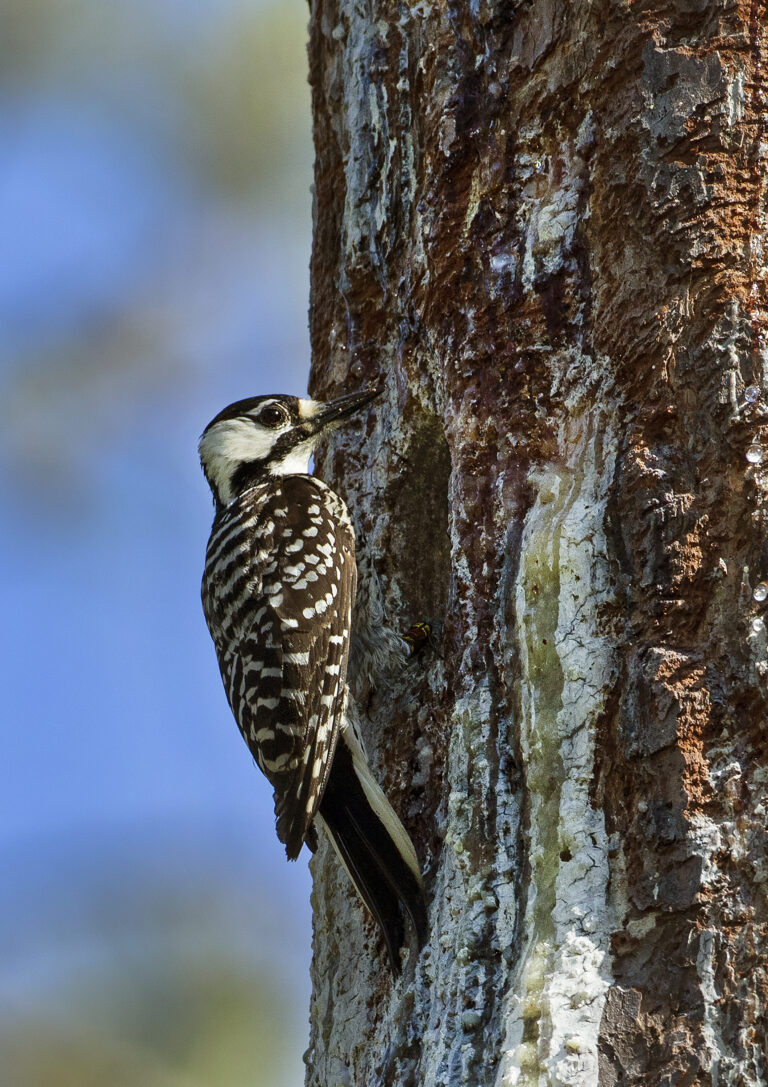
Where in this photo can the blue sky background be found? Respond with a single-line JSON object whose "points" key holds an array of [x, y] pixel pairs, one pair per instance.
{"points": [[155, 165]]}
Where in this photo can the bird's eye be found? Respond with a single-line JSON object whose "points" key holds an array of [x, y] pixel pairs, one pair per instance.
{"points": [[271, 416]]}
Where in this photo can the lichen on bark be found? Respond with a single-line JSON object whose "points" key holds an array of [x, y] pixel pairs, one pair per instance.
{"points": [[541, 225]]}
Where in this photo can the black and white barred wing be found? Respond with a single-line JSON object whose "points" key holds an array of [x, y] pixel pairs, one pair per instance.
{"points": [[284, 664], [310, 595]]}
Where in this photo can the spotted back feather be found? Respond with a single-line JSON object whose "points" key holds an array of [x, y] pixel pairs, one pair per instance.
{"points": [[278, 589]]}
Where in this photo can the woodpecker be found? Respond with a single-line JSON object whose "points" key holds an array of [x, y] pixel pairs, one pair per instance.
{"points": [[278, 592]]}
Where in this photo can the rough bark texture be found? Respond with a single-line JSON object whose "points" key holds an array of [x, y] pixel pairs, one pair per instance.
{"points": [[542, 225]]}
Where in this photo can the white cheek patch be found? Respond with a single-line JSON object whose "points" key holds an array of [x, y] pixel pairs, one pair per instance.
{"points": [[236, 440], [233, 442], [229, 444]]}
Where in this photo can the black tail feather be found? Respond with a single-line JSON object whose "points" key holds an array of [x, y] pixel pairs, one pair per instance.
{"points": [[366, 876], [382, 875]]}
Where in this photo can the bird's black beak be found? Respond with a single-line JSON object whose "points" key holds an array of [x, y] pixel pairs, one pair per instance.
{"points": [[336, 411]]}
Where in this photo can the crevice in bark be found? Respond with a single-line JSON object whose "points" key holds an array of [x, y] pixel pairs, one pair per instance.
{"points": [[417, 547]]}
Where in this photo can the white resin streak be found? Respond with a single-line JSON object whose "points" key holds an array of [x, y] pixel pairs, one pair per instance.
{"points": [[558, 989]]}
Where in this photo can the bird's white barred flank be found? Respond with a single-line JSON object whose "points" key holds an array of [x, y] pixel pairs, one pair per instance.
{"points": [[278, 590]]}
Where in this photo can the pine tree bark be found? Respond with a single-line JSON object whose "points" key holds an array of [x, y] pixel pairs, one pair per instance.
{"points": [[541, 224]]}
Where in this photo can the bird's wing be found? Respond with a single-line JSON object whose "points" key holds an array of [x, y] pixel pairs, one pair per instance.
{"points": [[293, 660]]}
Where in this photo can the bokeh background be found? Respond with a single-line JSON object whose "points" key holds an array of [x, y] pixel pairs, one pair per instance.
{"points": [[155, 168]]}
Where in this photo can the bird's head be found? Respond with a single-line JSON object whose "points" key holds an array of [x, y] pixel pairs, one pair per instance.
{"points": [[268, 436]]}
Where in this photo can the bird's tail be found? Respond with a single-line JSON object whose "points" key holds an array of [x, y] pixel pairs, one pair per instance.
{"points": [[373, 846]]}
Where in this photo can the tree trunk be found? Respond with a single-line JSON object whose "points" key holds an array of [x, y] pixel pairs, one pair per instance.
{"points": [[540, 224]]}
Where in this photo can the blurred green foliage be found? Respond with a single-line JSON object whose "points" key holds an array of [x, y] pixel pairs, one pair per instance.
{"points": [[232, 84], [212, 95], [177, 1021], [147, 971], [252, 127]]}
